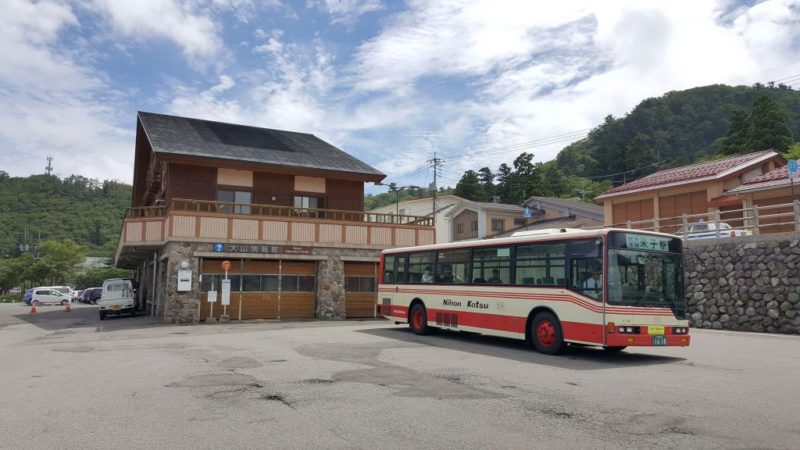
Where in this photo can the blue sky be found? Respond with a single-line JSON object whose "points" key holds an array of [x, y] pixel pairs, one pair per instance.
{"points": [[391, 82]]}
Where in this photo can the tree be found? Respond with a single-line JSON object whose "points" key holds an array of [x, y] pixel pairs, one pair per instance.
{"points": [[95, 277], [96, 235], [61, 260], [769, 126], [793, 152], [486, 179], [736, 141], [469, 186], [504, 179]]}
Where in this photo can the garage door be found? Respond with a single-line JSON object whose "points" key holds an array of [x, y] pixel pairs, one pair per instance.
{"points": [[360, 289], [298, 298], [262, 289]]}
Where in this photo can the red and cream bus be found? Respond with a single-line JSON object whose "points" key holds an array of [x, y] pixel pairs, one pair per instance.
{"points": [[611, 288]]}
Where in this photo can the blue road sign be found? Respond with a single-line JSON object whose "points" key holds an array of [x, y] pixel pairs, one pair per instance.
{"points": [[792, 168], [527, 214], [219, 247]]}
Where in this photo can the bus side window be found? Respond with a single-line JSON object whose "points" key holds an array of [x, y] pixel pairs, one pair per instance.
{"points": [[388, 268], [400, 269]]}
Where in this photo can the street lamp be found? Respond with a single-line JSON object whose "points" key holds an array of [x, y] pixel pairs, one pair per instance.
{"points": [[397, 189]]}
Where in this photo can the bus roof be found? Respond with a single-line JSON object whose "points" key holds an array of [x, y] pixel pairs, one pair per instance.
{"points": [[525, 236]]}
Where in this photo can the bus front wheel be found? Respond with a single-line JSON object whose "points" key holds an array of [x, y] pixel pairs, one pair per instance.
{"points": [[418, 319], [546, 334]]}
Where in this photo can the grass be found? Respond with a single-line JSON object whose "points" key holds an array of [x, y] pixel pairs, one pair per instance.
{"points": [[10, 298]]}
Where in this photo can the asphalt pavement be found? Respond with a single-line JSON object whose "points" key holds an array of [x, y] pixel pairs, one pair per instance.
{"points": [[72, 381]]}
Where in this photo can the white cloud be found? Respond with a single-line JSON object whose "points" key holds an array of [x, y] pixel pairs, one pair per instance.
{"points": [[182, 22], [346, 11], [546, 68], [54, 105]]}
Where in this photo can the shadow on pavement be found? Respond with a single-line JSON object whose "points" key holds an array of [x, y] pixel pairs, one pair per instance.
{"points": [[577, 358], [55, 318]]}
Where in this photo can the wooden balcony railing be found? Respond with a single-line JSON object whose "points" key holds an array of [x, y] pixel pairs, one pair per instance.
{"points": [[751, 221], [280, 225], [241, 209]]}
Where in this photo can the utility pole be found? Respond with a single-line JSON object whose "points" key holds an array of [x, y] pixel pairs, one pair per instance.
{"points": [[49, 169], [436, 163]]}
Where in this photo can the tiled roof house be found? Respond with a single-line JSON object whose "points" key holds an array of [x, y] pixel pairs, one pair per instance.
{"points": [[693, 189]]}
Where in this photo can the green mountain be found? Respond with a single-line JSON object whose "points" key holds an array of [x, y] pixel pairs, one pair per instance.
{"points": [[87, 211], [675, 129]]}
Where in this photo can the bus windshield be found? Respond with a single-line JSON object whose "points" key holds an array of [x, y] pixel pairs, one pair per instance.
{"points": [[645, 271]]}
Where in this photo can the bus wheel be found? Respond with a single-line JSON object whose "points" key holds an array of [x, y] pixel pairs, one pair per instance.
{"points": [[418, 320], [615, 349], [546, 334]]}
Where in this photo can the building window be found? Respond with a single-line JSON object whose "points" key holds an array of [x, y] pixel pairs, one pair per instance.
{"points": [[459, 228], [519, 221], [307, 202], [359, 284], [498, 224], [473, 226], [234, 201]]}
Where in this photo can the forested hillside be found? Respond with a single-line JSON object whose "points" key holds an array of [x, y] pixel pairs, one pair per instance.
{"points": [[675, 129], [86, 211]]}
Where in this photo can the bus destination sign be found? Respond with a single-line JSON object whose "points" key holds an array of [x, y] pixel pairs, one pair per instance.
{"points": [[645, 242]]}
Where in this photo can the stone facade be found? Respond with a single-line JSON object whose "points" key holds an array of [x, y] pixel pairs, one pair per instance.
{"points": [[744, 284], [181, 307]]}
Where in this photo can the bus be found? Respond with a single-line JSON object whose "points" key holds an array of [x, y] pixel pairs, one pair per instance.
{"points": [[610, 288]]}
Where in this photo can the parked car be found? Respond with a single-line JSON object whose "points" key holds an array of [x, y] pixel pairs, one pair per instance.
{"points": [[66, 290], [26, 298], [49, 296], [117, 298], [706, 230], [91, 295]]}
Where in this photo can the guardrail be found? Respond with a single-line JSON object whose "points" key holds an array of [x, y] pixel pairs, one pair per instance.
{"points": [[274, 211], [737, 222]]}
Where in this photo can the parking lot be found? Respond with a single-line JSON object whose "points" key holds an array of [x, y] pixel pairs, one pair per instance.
{"points": [[71, 381]]}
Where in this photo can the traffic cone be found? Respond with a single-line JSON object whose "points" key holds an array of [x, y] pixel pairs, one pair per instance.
{"points": [[69, 307], [33, 309]]}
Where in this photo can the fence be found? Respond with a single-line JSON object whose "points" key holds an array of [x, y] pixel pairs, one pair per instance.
{"points": [[751, 221], [274, 211]]}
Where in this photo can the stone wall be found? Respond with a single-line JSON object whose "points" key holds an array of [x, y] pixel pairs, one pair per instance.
{"points": [[748, 283], [181, 307]]}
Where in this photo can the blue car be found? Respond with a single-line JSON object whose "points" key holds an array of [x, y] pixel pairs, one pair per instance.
{"points": [[26, 297]]}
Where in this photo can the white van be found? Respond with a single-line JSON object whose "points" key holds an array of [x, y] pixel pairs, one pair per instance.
{"points": [[49, 296], [117, 298]]}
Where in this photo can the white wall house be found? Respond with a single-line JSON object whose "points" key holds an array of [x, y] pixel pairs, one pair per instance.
{"points": [[424, 207]]}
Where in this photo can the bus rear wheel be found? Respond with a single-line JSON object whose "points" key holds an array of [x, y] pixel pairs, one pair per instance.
{"points": [[418, 319], [546, 334]]}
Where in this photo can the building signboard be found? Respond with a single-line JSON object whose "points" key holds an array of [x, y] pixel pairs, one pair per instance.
{"points": [[271, 249]]}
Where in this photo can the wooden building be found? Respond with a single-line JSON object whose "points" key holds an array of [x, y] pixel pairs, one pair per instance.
{"points": [[776, 190], [658, 200], [285, 209]]}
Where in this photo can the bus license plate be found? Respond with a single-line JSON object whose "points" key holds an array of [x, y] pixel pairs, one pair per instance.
{"points": [[655, 330], [659, 340], [115, 308]]}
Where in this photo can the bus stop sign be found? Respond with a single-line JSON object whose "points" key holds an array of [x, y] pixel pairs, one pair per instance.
{"points": [[226, 265]]}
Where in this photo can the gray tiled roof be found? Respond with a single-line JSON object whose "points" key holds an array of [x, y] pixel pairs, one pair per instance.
{"points": [[202, 138], [571, 203], [558, 222]]}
